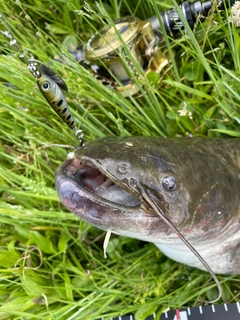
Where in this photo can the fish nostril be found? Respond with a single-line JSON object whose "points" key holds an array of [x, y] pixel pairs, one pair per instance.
{"points": [[124, 168]]}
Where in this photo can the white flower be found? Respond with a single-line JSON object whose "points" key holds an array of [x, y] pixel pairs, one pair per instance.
{"points": [[184, 111], [236, 14]]}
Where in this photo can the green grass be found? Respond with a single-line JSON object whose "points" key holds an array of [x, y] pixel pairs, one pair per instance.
{"points": [[51, 263]]}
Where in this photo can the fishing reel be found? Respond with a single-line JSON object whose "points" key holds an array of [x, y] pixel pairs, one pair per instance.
{"points": [[104, 49], [107, 51]]}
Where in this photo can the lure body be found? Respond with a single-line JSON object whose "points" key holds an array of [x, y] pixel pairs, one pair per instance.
{"points": [[55, 97], [51, 86]]}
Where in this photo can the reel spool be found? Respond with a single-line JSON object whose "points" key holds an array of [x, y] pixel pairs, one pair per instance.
{"points": [[103, 49]]}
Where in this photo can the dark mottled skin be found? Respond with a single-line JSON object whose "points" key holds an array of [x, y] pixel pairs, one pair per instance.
{"points": [[205, 207]]}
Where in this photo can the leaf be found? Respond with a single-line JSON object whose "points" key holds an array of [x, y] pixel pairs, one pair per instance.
{"points": [[82, 281], [57, 28], [34, 284], [23, 232], [226, 293], [187, 123], [62, 243], [67, 20], [206, 121], [171, 115], [231, 133], [14, 305], [212, 293], [153, 77], [70, 42], [172, 128], [145, 311], [191, 71], [68, 287], [111, 249], [209, 113], [189, 90], [43, 243], [8, 260]]}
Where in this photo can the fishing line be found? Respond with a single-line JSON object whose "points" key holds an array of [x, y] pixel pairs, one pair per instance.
{"points": [[145, 194]]}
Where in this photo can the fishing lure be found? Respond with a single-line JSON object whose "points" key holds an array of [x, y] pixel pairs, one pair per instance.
{"points": [[51, 86]]}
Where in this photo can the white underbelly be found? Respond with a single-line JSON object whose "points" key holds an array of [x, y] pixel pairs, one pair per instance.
{"points": [[215, 256]]}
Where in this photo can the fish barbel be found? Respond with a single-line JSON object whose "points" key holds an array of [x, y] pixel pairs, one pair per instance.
{"points": [[195, 183]]}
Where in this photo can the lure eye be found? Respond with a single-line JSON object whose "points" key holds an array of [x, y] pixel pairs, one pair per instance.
{"points": [[46, 85], [170, 183]]}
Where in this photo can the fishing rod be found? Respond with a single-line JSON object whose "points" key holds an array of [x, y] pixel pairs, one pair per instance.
{"points": [[191, 11]]}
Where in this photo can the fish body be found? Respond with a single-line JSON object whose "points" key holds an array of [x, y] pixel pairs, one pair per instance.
{"points": [[194, 181]]}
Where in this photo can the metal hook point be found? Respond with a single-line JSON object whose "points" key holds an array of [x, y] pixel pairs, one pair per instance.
{"points": [[80, 135]]}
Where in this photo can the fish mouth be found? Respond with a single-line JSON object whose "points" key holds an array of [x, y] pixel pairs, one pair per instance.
{"points": [[95, 197], [92, 181]]}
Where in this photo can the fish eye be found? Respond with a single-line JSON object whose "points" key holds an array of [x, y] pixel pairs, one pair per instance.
{"points": [[170, 183], [46, 85]]}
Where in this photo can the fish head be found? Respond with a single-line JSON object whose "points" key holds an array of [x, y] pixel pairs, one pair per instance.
{"points": [[106, 180]]}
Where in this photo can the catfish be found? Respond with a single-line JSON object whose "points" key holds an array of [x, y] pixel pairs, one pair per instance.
{"points": [[140, 187]]}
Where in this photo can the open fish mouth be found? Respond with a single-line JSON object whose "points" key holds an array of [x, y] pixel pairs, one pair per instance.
{"points": [[93, 181]]}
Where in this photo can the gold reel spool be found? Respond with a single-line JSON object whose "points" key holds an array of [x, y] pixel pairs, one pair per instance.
{"points": [[102, 50]]}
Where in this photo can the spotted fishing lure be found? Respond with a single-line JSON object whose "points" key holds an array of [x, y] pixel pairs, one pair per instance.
{"points": [[51, 86]]}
